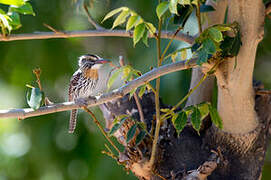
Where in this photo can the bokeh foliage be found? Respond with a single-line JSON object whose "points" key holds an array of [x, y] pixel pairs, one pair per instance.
{"points": [[40, 147]]}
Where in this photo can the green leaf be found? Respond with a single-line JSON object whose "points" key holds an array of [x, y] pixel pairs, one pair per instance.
{"points": [[202, 56], [209, 46], [141, 125], [173, 6], [35, 98], [2, 11], [162, 8], [215, 34], [237, 43], [140, 137], [145, 38], [206, 8], [142, 90], [150, 27], [196, 119], [223, 27], [180, 122], [13, 2], [24, 9], [132, 92], [131, 133], [184, 2], [113, 77], [231, 45], [174, 56], [215, 117], [188, 110], [114, 128], [183, 54], [15, 21], [184, 12], [138, 33], [115, 11], [5, 19], [121, 18], [117, 126], [132, 21], [204, 109]]}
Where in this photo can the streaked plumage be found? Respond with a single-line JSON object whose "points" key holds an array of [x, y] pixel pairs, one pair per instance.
{"points": [[89, 80]]}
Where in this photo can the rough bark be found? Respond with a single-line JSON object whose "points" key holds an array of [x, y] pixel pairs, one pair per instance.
{"points": [[191, 156], [235, 152]]}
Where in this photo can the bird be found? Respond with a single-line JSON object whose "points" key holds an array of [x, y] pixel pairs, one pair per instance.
{"points": [[89, 80]]}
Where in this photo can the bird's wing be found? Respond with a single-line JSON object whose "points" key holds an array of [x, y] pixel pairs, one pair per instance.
{"points": [[73, 85]]}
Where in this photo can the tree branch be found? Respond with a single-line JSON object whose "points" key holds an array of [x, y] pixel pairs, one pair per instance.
{"points": [[118, 93], [90, 33], [90, 19]]}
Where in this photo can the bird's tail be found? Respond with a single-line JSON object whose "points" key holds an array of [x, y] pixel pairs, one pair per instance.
{"points": [[73, 118]]}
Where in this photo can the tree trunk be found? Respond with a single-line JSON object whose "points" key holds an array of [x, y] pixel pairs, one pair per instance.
{"points": [[235, 152]]}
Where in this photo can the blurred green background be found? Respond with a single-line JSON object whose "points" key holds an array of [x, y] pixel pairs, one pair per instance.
{"points": [[40, 147]]}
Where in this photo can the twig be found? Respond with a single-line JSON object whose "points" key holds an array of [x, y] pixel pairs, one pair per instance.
{"points": [[198, 16], [90, 33], [263, 92], [37, 73], [268, 9], [97, 26], [139, 107], [157, 100], [101, 128], [52, 29], [118, 93]]}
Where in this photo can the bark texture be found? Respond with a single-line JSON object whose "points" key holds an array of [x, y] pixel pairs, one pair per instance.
{"points": [[215, 153], [234, 77], [237, 151]]}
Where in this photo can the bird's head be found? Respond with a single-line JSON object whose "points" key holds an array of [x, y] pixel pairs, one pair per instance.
{"points": [[91, 65], [90, 61]]}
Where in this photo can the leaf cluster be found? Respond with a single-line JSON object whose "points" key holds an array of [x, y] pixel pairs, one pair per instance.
{"points": [[137, 130], [196, 113], [219, 41], [181, 9], [10, 20], [127, 73], [135, 22]]}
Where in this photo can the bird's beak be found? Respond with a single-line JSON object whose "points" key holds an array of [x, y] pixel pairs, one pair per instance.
{"points": [[102, 61]]}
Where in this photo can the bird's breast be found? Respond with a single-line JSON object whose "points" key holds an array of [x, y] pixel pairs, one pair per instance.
{"points": [[91, 73]]}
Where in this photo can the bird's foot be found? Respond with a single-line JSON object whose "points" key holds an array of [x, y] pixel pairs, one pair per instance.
{"points": [[81, 102]]}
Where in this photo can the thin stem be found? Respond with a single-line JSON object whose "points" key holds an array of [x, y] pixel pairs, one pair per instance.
{"points": [[139, 107], [186, 96], [157, 102], [37, 73], [101, 128], [170, 42], [97, 26], [190, 91], [198, 16]]}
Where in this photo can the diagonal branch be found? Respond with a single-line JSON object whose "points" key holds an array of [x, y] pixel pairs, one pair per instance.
{"points": [[118, 93], [91, 33], [90, 19]]}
